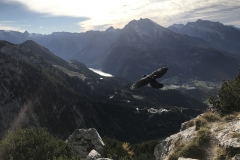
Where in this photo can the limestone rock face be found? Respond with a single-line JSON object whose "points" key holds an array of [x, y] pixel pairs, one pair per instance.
{"points": [[83, 141], [224, 137], [224, 134], [165, 148]]}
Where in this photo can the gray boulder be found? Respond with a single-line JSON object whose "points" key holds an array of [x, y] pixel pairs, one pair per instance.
{"points": [[93, 155], [83, 141]]}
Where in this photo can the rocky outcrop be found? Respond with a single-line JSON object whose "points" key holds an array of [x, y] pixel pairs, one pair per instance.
{"points": [[87, 143], [236, 157], [224, 135], [164, 149]]}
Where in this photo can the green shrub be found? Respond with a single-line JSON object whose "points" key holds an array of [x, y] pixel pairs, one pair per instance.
{"points": [[229, 97], [114, 149], [34, 143], [124, 151], [144, 150]]}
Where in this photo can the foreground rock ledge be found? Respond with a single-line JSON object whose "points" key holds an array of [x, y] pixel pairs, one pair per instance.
{"points": [[221, 135]]}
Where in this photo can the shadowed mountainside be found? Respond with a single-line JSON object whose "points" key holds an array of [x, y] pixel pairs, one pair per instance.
{"points": [[35, 92]]}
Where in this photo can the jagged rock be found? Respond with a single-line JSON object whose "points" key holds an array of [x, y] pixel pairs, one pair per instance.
{"points": [[93, 155], [85, 140], [184, 126], [224, 137], [164, 149]]}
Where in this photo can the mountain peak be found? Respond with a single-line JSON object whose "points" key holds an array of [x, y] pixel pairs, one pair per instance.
{"points": [[30, 42], [142, 21], [210, 23], [110, 29], [144, 26], [199, 20], [26, 32]]}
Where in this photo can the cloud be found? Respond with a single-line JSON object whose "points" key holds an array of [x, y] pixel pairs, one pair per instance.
{"points": [[101, 27], [25, 25], [119, 13], [8, 28], [12, 25]]}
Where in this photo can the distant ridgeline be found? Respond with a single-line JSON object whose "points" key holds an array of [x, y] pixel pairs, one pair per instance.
{"points": [[203, 49]]}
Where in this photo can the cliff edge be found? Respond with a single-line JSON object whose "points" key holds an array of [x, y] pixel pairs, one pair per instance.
{"points": [[206, 137]]}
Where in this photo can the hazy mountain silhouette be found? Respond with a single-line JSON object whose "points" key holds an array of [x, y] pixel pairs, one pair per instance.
{"points": [[220, 36], [144, 46]]}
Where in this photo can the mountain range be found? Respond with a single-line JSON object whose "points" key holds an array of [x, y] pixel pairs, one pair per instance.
{"points": [[220, 36], [203, 49], [37, 88], [187, 56]]}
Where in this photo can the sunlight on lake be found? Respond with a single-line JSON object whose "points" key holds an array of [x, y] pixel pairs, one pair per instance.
{"points": [[101, 73]]}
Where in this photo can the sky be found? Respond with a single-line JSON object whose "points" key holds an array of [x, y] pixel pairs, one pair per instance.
{"points": [[47, 16]]}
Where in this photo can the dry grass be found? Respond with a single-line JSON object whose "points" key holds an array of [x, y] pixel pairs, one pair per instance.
{"points": [[221, 126], [225, 154], [211, 117], [221, 153], [235, 135], [190, 124], [194, 148], [231, 117], [200, 122]]}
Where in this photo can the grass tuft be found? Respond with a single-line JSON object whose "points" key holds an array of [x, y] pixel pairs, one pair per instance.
{"points": [[194, 148], [211, 117], [231, 117], [200, 122], [235, 135]]}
